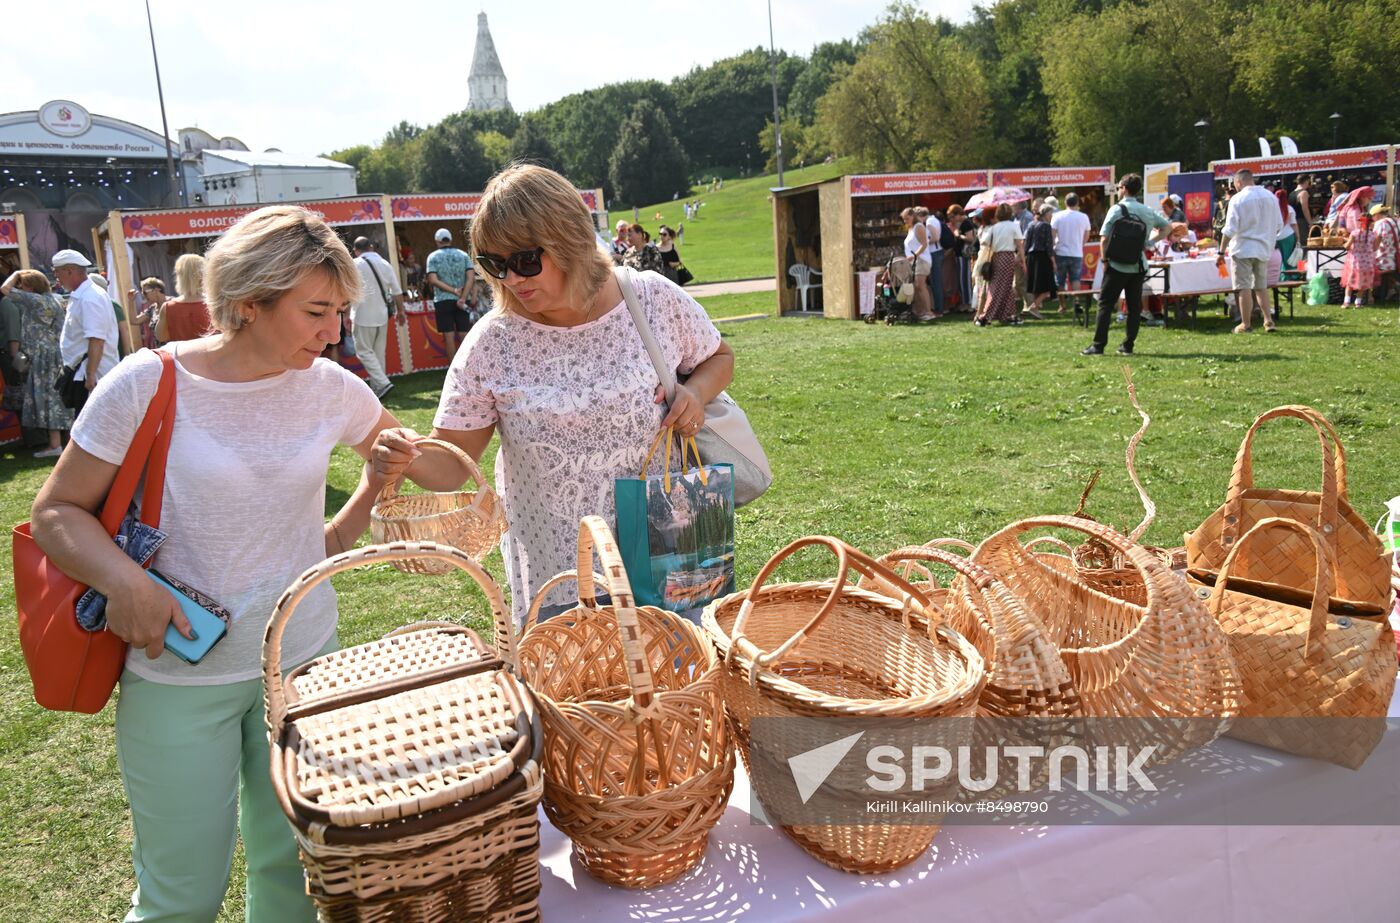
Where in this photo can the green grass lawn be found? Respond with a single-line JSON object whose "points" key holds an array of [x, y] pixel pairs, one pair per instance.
{"points": [[880, 435], [733, 236]]}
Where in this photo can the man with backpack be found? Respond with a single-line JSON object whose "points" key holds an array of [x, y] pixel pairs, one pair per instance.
{"points": [[1125, 241]]}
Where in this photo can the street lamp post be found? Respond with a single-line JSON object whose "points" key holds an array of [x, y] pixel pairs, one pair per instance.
{"points": [[1336, 119], [1201, 126], [777, 121]]}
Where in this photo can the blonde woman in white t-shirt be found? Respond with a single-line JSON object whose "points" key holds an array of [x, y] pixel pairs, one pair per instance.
{"points": [[257, 415], [559, 371]]}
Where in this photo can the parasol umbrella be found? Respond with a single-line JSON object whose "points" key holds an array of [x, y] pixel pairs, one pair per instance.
{"points": [[993, 197]]}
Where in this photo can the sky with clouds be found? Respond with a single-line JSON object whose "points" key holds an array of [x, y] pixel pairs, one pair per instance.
{"points": [[310, 77]]}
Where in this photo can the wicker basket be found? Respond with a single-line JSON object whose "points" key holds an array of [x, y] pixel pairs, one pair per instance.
{"points": [[921, 577], [471, 520], [1324, 237], [1166, 659], [1362, 576], [638, 761], [409, 766], [790, 650], [1304, 664]]}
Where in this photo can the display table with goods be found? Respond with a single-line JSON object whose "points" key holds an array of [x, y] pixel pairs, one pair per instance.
{"points": [[1326, 260], [1130, 862]]}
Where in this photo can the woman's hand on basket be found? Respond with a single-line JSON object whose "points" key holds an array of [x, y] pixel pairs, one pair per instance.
{"points": [[392, 453], [139, 611], [687, 413]]}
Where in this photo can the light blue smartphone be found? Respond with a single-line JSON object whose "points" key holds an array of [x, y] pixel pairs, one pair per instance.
{"points": [[208, 627]]}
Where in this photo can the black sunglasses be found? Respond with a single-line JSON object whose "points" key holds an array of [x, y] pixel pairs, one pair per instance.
{"points": [[524, 263]]}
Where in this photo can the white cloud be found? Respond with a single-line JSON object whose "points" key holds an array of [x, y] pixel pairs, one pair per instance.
{"points": [[311, 77]]}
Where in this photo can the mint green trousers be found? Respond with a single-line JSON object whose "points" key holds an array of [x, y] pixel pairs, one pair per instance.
{"points": [[194, 760]]}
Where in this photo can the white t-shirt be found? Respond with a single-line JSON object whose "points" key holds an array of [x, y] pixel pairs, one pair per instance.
{"points": [[911, 244], [575, 410], [1002, 236], [1251, 222], [370, 310], [89, 316], [1288, 229], [245, 495], [934, 228], [1070, 227]]}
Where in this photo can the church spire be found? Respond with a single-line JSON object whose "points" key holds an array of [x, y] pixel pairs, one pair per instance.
{"points": [[486, 84]]}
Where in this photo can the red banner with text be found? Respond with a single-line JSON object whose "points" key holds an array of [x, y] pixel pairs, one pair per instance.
{"points": [[210, 222], [1354, 159], [1054, 177], [915, 183]]}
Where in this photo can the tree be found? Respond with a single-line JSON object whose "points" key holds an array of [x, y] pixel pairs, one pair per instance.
{"points": [[815, 79], [719, 109], [451, 159], [584, 126], [496, 147], [531, 144], [910, 101], [648, 164]]}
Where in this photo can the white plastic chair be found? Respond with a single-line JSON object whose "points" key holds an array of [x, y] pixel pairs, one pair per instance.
{"points": [[803, 274]]}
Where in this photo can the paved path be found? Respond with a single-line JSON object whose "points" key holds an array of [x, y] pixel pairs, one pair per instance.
{"points": [[738, 287]]}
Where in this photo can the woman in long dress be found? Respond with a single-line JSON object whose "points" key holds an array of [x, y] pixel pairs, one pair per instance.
{"points": [[1359, 274], [41, 320], [1003, 240]]}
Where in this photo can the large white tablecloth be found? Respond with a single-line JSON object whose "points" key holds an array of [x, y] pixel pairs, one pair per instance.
{"points": [[1189, 276], [1201, 874], [1327, 261]]}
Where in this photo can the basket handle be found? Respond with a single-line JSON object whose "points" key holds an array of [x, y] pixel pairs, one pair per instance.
{"points": [[587, 595], [275, 696], [846, 558], [594, 535], [1052, 540], [1139, 557], [908, 559], [391, 490], [1322, 577], [1334, 471]]}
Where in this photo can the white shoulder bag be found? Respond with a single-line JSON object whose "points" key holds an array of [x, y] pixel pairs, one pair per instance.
{"points": [[727, 437]]}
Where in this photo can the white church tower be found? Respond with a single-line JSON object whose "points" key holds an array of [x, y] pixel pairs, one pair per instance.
{"points": [[487, 82]]}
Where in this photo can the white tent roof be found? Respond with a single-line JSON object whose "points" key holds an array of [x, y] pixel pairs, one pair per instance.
{"points": [[216, 162]]}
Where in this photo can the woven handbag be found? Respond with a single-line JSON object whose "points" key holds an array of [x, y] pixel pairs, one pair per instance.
{"points": [[409, 766], [1318, 681], [826, 649], [472, 520], [1362, 568], [638, 761], [1165, 659]]}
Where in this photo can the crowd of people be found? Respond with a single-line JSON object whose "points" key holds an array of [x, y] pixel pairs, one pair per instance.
{"points": [[632, 247]]}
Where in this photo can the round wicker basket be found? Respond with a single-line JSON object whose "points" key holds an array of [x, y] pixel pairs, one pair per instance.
{"points": [[472, 520]]}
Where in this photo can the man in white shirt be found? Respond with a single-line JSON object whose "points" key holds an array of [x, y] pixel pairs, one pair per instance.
{"points": [[369, 317], [89, 331], [1071, 228], [1251, 226], [934, 230]]}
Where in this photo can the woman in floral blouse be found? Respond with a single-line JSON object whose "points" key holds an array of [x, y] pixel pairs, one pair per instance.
{"points": [[558, 369], [642, 254]]}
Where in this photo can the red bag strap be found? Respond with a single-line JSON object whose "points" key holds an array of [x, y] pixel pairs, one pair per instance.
{"points": [[147, 452]]}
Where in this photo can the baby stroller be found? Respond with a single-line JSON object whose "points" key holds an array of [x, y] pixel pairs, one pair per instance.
{"points": [[888, 304]]}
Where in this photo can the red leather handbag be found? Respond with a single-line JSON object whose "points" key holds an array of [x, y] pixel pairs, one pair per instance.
{"points": [[73, 669]]}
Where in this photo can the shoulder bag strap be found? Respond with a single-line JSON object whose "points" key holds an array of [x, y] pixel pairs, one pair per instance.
{"points": [[388, 302], [147, 452], [639, 318]]}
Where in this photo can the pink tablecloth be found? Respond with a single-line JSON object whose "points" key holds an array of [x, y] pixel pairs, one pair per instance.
{"points": [[1082, 873]]}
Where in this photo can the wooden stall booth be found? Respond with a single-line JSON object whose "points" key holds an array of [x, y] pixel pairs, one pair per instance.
{"points": [[1094, 186], [153, 239], [1357, 166], [847, 229]]}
